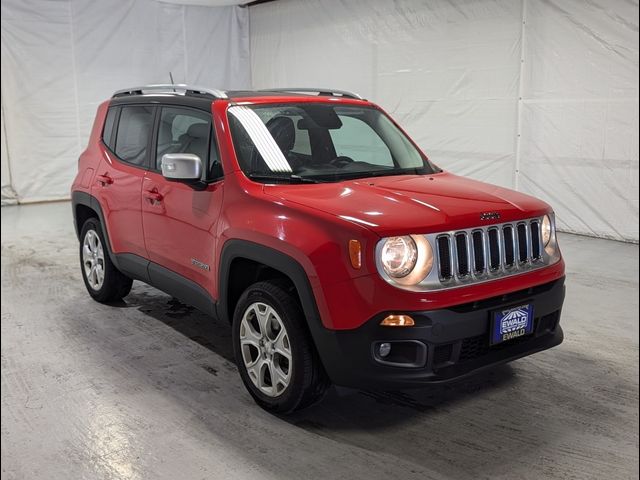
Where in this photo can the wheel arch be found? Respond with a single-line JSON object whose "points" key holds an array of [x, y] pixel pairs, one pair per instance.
{"points": [[235, 252], [85, 206]]}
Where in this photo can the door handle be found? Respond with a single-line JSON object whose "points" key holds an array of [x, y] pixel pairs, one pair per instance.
{"points": [[104, 180], [152, 197]]}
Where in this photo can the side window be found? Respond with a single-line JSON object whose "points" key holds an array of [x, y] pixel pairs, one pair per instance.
{"points": [[357, 140], [108, 136], [134, 128], [183, 130]]}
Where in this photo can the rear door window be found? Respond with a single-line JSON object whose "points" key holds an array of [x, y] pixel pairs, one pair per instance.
{"points": [[134, 129]]}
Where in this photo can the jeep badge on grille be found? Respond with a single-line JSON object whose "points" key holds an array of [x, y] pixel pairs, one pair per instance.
{"points": [[489, 216]]}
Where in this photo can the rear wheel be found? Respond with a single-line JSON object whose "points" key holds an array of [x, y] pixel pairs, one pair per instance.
{"points": [[274, 351], [104, 282]]}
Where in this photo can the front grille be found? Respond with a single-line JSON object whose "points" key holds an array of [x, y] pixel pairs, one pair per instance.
{"points": [[482, 253]]}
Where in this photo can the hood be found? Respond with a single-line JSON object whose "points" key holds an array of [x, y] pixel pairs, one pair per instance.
{"points": [[398, 205]]}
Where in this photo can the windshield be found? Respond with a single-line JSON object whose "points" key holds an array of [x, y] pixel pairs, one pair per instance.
{"points": [[320, 142]]}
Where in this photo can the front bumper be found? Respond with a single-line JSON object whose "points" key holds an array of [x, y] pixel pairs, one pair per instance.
{"points": [[443, 345]]}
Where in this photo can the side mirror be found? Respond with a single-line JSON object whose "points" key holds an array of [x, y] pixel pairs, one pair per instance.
{"points": [[182, 167]]}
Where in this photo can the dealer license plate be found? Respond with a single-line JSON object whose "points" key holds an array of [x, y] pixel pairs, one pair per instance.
{"points": [[512, 322]]}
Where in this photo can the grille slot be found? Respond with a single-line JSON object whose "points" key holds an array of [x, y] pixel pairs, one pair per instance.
{"points": [[509, 253], [444, 257], [462, 254], [523, 248], [478, 251], [535, 240], [494, 249]]}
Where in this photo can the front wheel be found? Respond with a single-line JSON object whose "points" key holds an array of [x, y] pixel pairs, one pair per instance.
{"points": [[273, 349], [104, 282]]}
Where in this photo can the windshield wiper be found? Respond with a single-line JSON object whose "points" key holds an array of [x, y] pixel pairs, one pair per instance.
{"points": [[338, 176], [282, 178]]}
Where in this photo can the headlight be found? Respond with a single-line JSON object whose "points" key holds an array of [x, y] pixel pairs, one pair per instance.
{"points": [[407, 260], [399, 255], [546, 230]]}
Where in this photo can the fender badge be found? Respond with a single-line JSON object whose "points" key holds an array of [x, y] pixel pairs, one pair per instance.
{"points": [[489, 216], [200, 264]]}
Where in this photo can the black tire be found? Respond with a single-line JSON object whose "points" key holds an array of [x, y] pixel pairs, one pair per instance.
{"points": [[115, 285], [308, 381]]}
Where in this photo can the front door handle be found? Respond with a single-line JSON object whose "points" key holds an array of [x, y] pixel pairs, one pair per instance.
{"points": [[152, 197], [104, 180]]}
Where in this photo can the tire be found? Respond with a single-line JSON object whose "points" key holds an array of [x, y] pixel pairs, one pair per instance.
{"points": [[105, 283], [260, 309]]}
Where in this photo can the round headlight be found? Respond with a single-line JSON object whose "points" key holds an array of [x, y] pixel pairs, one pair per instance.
{"points": [[546, 230], [406, 260], [399, 256]]}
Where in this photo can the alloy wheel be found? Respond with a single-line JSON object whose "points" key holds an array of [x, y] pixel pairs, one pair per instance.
{"points": [[266, 350], [93, 259]]}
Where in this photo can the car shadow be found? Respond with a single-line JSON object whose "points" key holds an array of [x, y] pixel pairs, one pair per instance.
{"points": [[455, 429], [215, 335], [211, 333]]}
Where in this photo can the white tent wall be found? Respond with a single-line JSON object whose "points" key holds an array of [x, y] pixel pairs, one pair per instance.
{"points": [[8, 195], [537, 95], [60, 59]]}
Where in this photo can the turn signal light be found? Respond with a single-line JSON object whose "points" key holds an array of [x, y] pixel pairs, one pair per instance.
{"points": [[355, 253], [398, 321]]}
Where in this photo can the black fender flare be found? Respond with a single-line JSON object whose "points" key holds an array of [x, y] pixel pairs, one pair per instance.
{"points": [[285, 264], [88, 200]]}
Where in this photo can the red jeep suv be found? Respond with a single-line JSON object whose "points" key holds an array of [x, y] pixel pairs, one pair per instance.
{"points": [[312, 222]]}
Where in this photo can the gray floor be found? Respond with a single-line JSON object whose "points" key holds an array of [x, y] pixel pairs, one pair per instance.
{"points": [[147, 389]]}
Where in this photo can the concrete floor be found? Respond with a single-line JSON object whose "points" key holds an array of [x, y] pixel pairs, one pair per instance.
{"points": [[148, 389]]}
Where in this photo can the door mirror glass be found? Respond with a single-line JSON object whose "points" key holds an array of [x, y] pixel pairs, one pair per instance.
{"points": [[186, 167]]}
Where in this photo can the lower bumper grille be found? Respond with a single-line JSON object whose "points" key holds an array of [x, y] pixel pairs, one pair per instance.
{"points": [[472, 348]]}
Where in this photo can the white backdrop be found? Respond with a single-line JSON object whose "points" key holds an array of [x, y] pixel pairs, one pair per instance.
{"points": [[61, 58], [539, 95]]}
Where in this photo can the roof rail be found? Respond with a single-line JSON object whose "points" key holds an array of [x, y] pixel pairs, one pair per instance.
{"points": [[179, 88], [331, 92]]}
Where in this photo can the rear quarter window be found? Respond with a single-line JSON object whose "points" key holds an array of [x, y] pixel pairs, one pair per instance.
{"points": [[108, 136]]}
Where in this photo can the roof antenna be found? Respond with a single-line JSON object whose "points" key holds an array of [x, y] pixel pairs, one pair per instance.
{"points": [[171, 78]]}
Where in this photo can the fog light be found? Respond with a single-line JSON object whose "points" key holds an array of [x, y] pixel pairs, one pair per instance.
{"points": [[384, 349], [398, 321]]}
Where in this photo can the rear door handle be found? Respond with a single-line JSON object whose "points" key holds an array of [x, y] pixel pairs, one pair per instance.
{"points": [[104, 180], [152, 197]]}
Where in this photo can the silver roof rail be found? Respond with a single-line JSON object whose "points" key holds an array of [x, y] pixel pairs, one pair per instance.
{"points": [[179, 88], [332, 92]]}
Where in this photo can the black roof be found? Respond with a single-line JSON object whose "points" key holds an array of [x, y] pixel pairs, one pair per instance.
{"points": [[201, 102]]}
